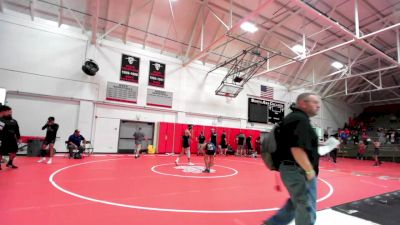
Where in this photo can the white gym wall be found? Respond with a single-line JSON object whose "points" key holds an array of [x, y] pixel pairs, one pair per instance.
{"points": [[40, 66]]}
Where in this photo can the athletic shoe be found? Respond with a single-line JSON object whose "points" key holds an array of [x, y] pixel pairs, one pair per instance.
{"points": [[191, 164], [50, 161], [206, 171], [12, 166], [41, 160]]}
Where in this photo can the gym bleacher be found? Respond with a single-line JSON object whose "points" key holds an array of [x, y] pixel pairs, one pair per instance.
{"points": [[375, 118]]}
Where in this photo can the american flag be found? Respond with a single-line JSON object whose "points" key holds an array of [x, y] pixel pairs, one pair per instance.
{"points": [[267, 92]]}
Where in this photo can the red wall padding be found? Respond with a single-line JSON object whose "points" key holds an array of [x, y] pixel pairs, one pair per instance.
{"points": [[170, 136]]}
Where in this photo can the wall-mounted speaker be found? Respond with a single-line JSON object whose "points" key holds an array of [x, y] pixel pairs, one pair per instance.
{"points": [[90, 67]]}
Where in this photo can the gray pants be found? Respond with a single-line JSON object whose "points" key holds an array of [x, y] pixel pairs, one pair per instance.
{"points": [[71, 149], [302, 203]]}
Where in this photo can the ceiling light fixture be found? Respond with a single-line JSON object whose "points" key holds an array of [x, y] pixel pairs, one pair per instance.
{"points": [[299, 49], [337, 65], [249, 27]]}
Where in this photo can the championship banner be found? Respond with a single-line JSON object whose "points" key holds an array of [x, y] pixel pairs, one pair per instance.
{"points": [[265, 111], [130, 68], [157, 74], [159, 98], [121, 92]]}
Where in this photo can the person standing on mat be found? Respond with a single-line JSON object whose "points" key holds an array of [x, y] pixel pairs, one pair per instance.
{"points": [[333, 154], [201, 140], [377, 145], [249, 145], [224, 143], [139, 137], [298, 154], [240, 144], [361, 150], [186, 145], [49, 140], [9, 136], [213, 138], [209, 157], [2, 124]]}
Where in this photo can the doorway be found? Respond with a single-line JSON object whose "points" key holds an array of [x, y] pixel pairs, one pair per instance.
{"points": [[126, 142]]}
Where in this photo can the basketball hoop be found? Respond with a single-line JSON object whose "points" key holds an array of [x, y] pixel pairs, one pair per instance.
{"points": [[228, 98]]}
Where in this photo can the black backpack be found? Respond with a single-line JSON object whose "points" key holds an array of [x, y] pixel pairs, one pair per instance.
{"points": [[269, 147]]}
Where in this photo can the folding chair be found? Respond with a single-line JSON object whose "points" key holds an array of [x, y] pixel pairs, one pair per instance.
{"points": [[88, 148]]}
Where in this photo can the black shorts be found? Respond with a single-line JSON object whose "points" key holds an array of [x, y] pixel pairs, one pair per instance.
{"points": [[376, 151], [186, 145], [49, 141], [224, 145], [8, 147], [210, 152]]}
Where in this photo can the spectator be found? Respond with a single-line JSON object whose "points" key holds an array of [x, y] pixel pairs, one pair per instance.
{"points": [[240, 144], [138, 136], [298, 153], [9, 136], [213, 138], [381, 135], [249, 145], [201, 139], [258, 145], [49, 140], [223, 144], [74, 143], [355, 137], [377, 144], [344, 137], [361, 151], [365, 138]]}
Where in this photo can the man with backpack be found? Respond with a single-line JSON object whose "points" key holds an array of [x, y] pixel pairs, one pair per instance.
{"points": [[297, 154]]}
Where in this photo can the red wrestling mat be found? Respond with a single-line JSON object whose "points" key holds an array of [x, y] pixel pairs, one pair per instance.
{"points": [[153, 190]]}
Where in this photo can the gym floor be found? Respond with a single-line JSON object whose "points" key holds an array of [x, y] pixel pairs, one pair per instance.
{"points": [[118, 189]]}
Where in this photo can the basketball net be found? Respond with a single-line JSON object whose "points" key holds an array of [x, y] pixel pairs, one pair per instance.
{"points": [[228, 98]]}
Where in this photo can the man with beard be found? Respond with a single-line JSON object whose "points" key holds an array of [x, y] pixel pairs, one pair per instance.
{"points": [[297, 151]]}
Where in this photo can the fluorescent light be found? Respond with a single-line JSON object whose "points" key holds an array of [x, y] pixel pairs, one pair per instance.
{"points": [[337, 65], [249, 27], [298, 49]]}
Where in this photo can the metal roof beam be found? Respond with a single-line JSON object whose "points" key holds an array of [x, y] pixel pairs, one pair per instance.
{"points": [[127, 19], [32, 6], [193, 31], [148, 24], [1, 6], [210, 47], [360, 40], [124, 20], [95, 6], [174, 25], [60, 13]]}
